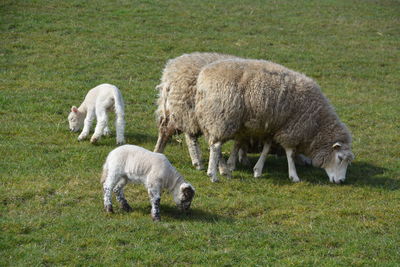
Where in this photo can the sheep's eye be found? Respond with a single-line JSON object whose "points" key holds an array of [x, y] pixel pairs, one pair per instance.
{"points": [[340, 158]]}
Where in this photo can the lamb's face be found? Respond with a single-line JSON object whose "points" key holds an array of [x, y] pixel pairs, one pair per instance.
{"points": [[75, 119], [186, 194], [336, 168]]}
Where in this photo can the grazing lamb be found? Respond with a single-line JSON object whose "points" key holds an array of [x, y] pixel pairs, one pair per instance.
{"points": [[242, 98], [135, 164], [97, 102], [176, 102]]}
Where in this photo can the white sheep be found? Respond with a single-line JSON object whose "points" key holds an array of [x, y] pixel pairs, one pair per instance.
{"points": [[129, 163], [239, 98], [176, 102], [97, 102]]}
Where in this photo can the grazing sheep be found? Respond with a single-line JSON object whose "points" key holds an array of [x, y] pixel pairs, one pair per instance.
{"points": [[176, 102], [97, 102], [129, 163], [242, 98]]}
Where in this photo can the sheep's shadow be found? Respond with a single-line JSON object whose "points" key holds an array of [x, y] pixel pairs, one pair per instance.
{"points": [[358, 174], [194, 214]]}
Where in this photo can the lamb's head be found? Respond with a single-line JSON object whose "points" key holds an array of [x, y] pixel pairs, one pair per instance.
{"points": [[75, 119], [185, 196], [335, 162]]}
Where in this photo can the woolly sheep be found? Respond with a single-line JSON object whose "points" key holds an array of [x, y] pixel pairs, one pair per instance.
{"points": [[97, 102], [239, 98], [129, 163], [176, 101]]}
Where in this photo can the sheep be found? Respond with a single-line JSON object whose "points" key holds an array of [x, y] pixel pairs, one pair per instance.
{"points": [[177, 90], [130, 163], [97, 102], [242, 98]]}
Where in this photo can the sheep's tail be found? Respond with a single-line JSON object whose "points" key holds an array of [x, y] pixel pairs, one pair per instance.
{"points": [[104, 174], [120, 115]]}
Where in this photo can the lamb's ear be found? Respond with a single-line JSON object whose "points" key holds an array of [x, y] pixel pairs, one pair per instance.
{"points": [[74, 109], [336, 146]]}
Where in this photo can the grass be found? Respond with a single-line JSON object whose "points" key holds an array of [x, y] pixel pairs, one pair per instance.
{"points": [[52, 52]]}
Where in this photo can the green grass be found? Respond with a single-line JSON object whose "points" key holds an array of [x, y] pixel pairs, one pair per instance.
{"points": [[53, 52]]}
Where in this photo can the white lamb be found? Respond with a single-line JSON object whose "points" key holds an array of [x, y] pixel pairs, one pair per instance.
{"points": [[98, 101], [135, 164]]}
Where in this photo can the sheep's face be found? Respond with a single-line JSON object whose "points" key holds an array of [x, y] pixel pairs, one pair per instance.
{"points": [[75, 119], [336, 168], [185, 197]]}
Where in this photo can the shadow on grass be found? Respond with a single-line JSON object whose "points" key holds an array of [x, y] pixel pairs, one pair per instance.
{"points": [[193, 214], [358, 174]]}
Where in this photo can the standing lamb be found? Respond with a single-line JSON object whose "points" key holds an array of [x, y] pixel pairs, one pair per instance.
{"points": [[98, 101], [239, 98], [176, 102], [135, 164]]}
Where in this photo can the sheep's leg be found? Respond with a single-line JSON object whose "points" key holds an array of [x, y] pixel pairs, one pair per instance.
{"points": [[223, 167], [120, 128], [243, 159], [162, 140], [106, 131], [108, 187], [233, 157], [261, 161], [215, 153], [87, 124], [155, 199], [119, 192], [194, 151], [302, 160], [292, 168], [102, 122]]}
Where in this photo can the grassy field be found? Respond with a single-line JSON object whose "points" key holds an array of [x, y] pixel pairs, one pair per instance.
{"points": [[52, 52]]}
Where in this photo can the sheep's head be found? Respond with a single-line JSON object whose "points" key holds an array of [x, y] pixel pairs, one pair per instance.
{"points": [[336, 165], [185, 196], [75, 119]]}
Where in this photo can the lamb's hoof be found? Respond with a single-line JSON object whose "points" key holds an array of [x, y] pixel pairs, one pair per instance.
{"points": [[156, 218], [94, 140], [198, 166], [126, 207], [120, 142], [81, 138], [109, 209], [106, 133]]}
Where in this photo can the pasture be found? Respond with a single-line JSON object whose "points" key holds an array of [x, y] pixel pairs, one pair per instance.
{"points": [[51, 210]]}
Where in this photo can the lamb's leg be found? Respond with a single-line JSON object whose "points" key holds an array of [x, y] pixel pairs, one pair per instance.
{"points": [[194, 151], [215, 153], [119, 192], [155, 199], [292, 168], [120, 128], [261, 161], [108, 187], [87, 124], [106, 131], [102, 121]]}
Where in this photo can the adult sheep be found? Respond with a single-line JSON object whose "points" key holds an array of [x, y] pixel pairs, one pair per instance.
{"points": [[176, 101], [242, 98]]}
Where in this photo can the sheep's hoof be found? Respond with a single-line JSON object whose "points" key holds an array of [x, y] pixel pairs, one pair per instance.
{"points": [[257, 174], [109, 209], [295, 179], [156, 218], [198, 166], [126, 207], [81, 138], [94, 140], [106, 133], [214, 180], [120, 142]]}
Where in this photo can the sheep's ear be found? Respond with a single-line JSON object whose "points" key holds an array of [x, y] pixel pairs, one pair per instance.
{"points": [[74, 109], [336, 146], [187, 191]]}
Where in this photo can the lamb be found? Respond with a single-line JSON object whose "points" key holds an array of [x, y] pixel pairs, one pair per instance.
{"points": [[242, 98], [130, 163], [97, 102], [177, 90]]}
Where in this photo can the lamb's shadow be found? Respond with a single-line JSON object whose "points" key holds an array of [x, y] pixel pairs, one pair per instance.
{"points": [[194, 214], [359, 173]]}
